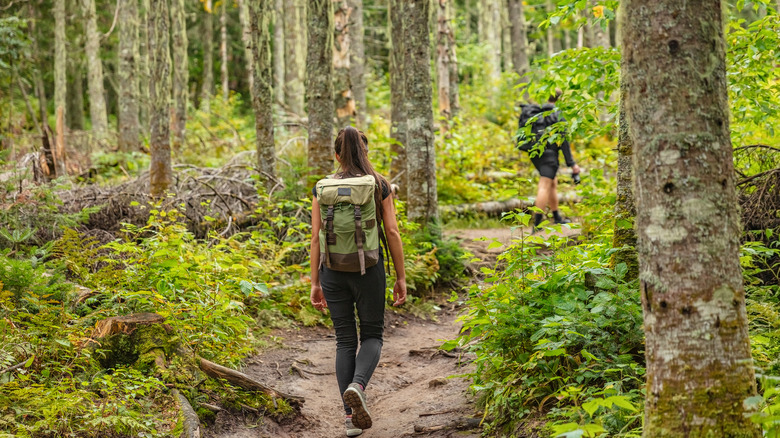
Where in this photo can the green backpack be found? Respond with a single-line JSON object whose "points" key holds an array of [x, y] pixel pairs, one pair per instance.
{"points": [[349, 235]]}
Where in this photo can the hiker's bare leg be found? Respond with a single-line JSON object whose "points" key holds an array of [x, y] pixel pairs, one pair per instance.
{"points": [[544, 190], [553, 201]]}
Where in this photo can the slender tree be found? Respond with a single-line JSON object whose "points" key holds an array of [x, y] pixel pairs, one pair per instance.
{"points": [[357, 61], [127, 120], [160, 169], [491, 28], [144, 74], [342, 79], [97, 100], [625, 210], [60, 56], [398, 173], [246, 41], [699, 365], [550, 35], [519, 38], [294, 53], [180, 72], [75, 95], [600, 34], [506, 38], [261, 14], [454, 74], [443, 60], [207, 87], [319, 88], [223, 51], [422, 204], [278, 55]]}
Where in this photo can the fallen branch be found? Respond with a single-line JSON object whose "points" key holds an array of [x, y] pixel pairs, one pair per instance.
{"points": [[241, 380], [190, 421], [13, 368], [460, 423], [496, 208], [429, 414], [300, 370]]}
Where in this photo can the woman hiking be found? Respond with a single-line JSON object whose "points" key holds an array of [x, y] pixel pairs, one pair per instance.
{"points": [[349, 212]]}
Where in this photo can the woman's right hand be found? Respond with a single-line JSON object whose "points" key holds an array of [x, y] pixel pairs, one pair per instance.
{"points": [[399, 292], [318, 298]]}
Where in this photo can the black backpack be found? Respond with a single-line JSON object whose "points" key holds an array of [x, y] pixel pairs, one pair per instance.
{"points": [[535, 116]]}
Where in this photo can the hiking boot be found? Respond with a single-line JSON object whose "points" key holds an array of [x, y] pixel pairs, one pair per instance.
{"points": [[351, 429], [355, 399], [563, 220]]}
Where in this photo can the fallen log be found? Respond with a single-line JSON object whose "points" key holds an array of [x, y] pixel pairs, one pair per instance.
{"points": [[460, 424], [243, 381], [496, 208], [190, 421]]}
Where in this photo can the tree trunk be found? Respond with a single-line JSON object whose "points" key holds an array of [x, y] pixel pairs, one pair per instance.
{"points": [[600, 35], [398, 173], [491, 25], [180, 72], [75, 97], [278, 55], [342, 80], [549, 7], [519, 39], [357, 62], [506, 39], [625, 211], [319, 88], [160, 170], [443, 61], [261, 14], [97, 100], [422, 206], [144, 75], [223, 50], [127, 120], [294, 54], [699, 365], [207, 88], [246, 41], [60, 57]]}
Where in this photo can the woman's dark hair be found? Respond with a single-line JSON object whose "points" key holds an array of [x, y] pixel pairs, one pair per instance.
{"points": [[351, 146]]}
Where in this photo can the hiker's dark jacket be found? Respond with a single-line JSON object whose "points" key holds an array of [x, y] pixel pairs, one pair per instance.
{"points": [[531, 110]]}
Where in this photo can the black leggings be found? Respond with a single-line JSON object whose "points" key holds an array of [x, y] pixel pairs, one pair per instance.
{"points": [[345, 291]]}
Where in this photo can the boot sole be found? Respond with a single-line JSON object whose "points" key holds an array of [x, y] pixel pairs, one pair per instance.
{"points": [[360, 416]]}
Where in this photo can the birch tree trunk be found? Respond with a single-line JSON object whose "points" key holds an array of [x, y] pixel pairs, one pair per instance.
{"points": [[699, 365], [491, 25], [127, 120], [160, 170], [180, 72], [207, 88], [294, 55], [398, 173], [144, 75], [357, 61], [279, 44], [550, 36], [443, 61], [319, 88], [261, 14], [97, 100], [519, 39], [60, 57], [342, 80], [506, 39], [246, 42], [422, 206], [223, 68]]}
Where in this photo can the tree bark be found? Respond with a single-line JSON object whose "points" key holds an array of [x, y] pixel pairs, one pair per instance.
{"points": [[160, 169], [699, 365], [294, 53], [180, 72], [246, 41], [600, 35], [506, 39], [549, 7], [60, 57], [144, 75], [357, 62], [207, 88], [260, 15], [398, 173], [491, 19], [519, 39], [443, 61], [127, 120], [422, 206], [279, 45], [624, 234], [319, 88], [75, 97], [97, 100], [342, 79], [223, 50]]}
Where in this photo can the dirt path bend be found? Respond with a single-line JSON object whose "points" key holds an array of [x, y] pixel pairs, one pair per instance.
{"points": [[412, 379]]}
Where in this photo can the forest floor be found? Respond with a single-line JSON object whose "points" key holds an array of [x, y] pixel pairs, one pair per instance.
{"points": [[412, 392]]}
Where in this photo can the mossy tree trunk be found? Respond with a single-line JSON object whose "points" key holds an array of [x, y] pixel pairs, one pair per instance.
{"points": [[319, 88], [97, 100], [519, 38], [207, 87], [127, 120], [357, 62], [344, 102], [160, 170], [295, 54], [180, 72], [397, 112], [278, 55], [506, 39], [422, 204], [699, 365], [443, 60], [75, 95], [260, 16], [143, 70], [625, 210], [60, 57]]}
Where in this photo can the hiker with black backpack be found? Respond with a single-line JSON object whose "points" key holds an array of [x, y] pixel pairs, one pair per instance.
{"points": [[545, 157], [353, 218]]}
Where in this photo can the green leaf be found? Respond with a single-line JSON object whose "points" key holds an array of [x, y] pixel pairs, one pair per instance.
{"points": [[621, 402], [591, 406], [495, 244], [29, 361]]}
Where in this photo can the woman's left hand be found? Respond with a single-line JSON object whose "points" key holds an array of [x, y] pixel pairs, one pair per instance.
{"points": [[399, 292], [318, 298]]}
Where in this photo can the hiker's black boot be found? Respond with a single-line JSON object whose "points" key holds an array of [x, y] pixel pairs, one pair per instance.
{"points": [[537, 220], [560, 219]]}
